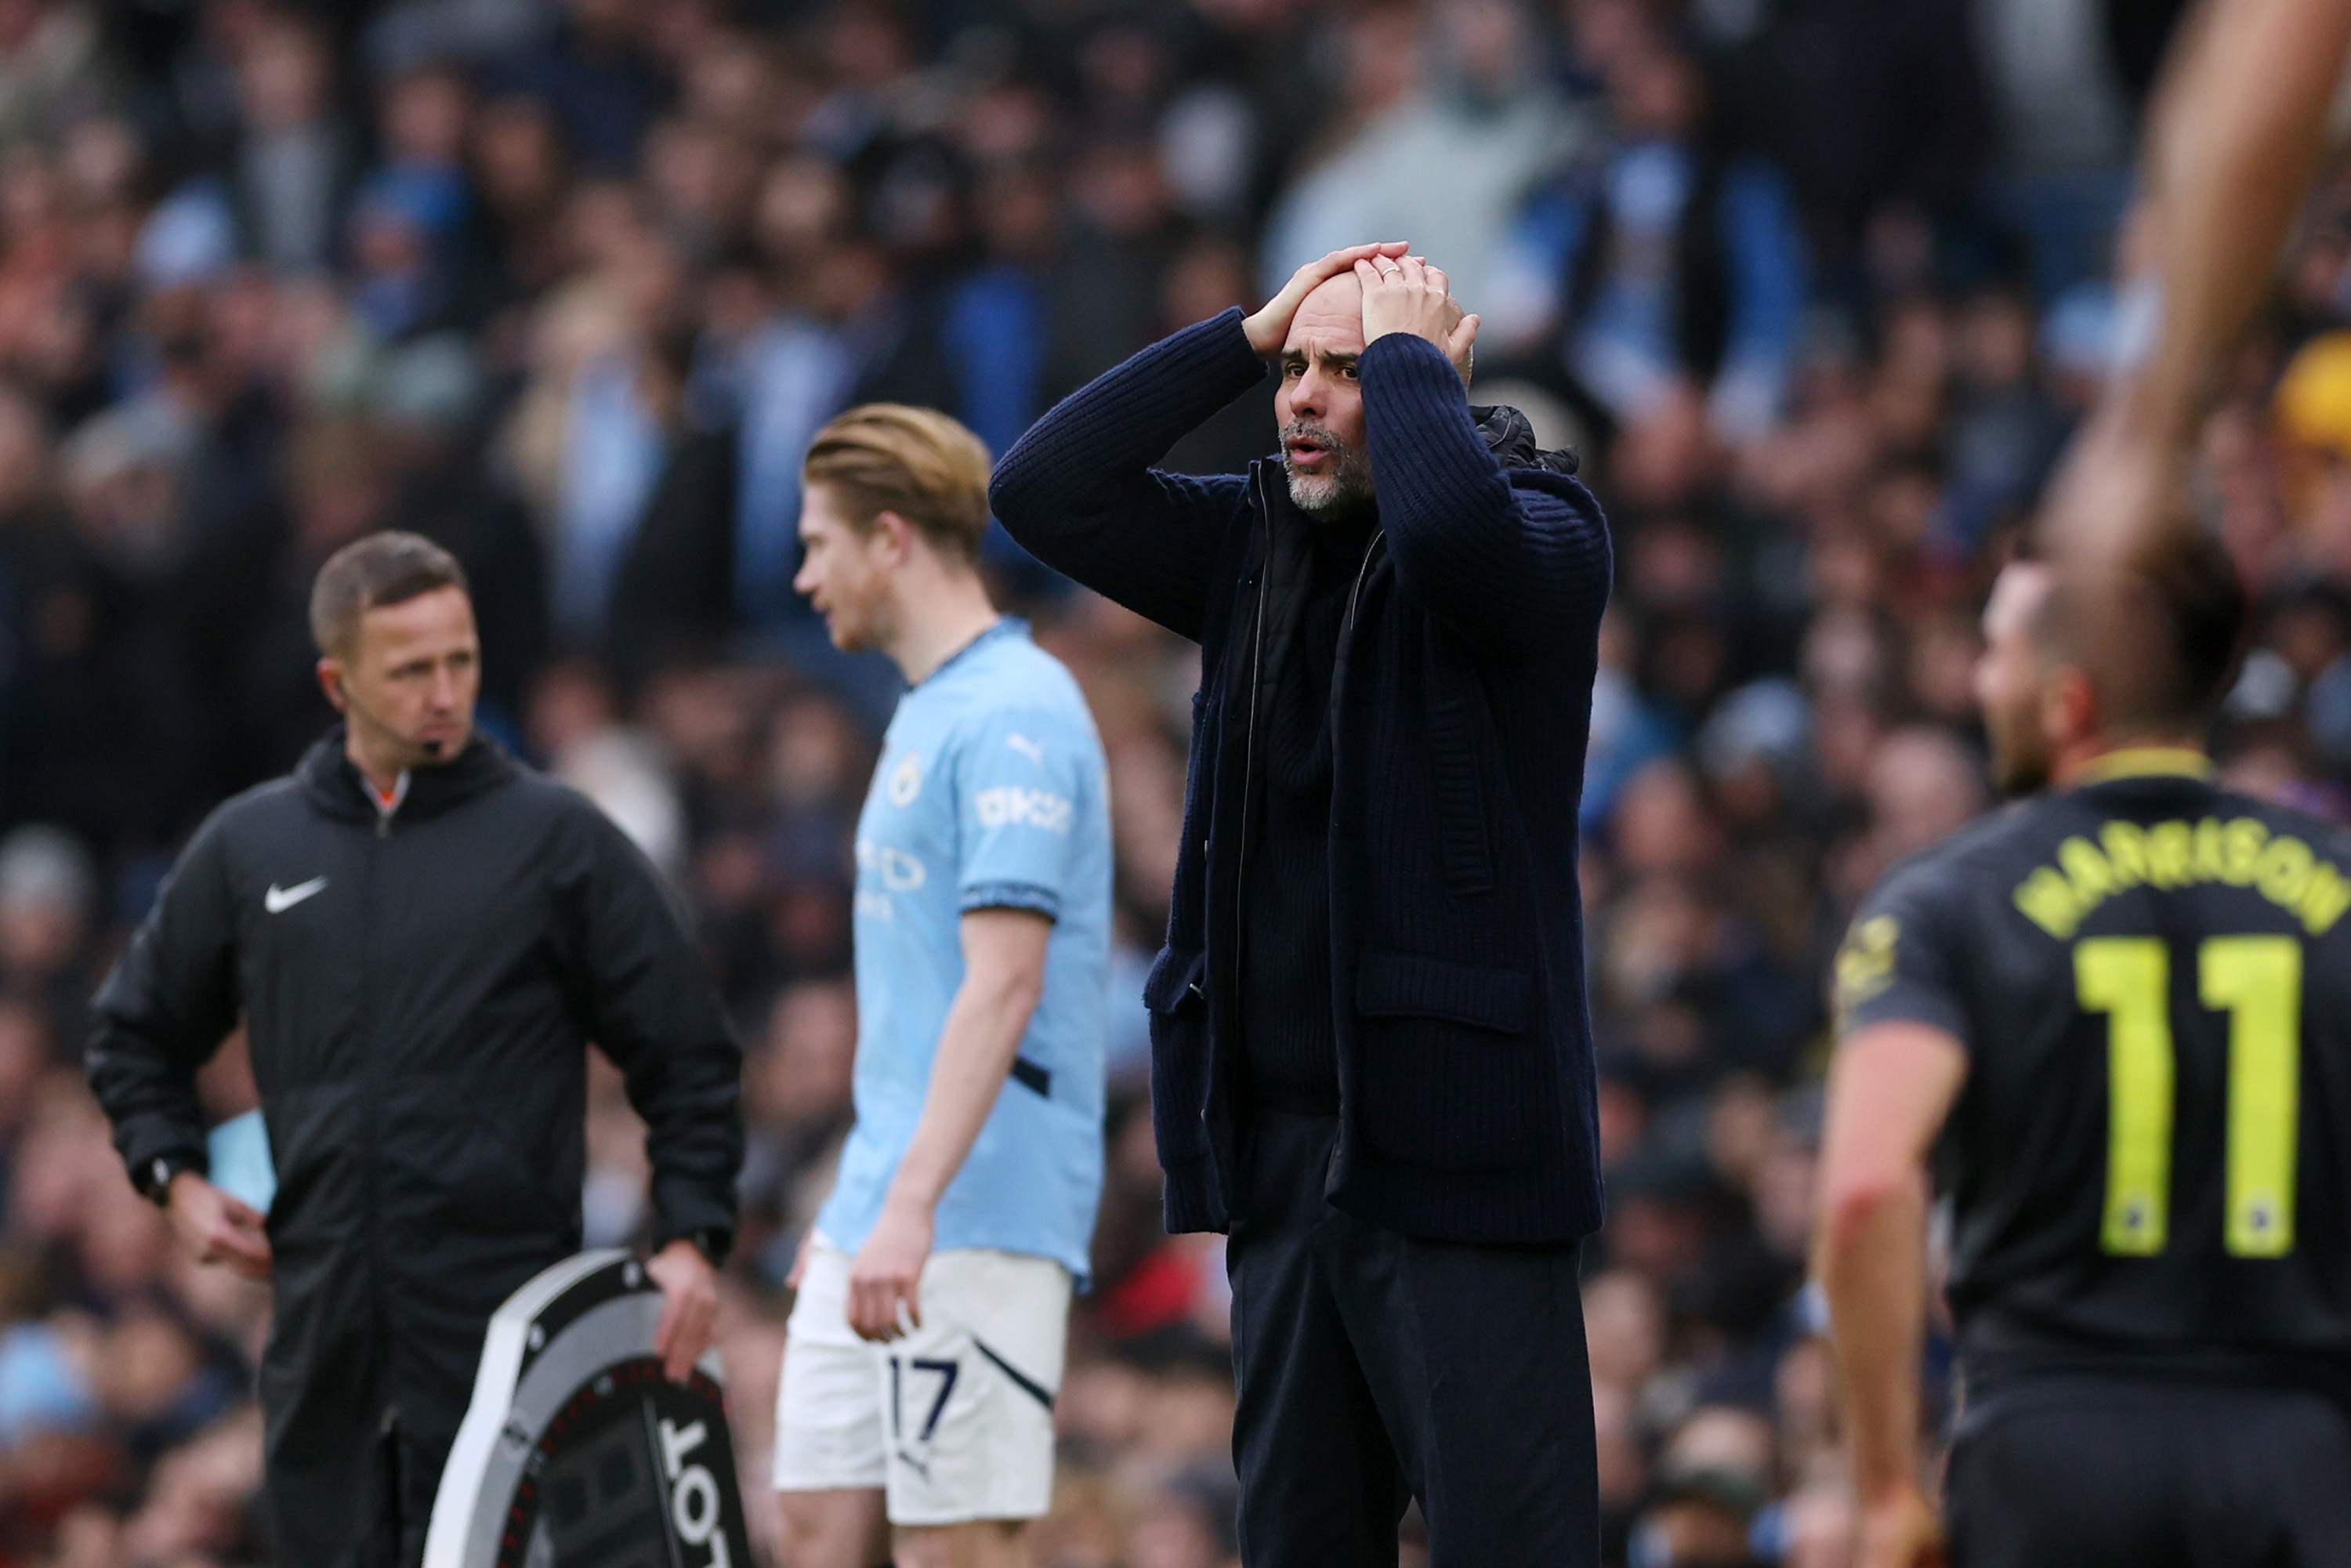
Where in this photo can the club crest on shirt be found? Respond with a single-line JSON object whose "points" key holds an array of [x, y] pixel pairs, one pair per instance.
{"points": [[1865, 965], [906, 780]]}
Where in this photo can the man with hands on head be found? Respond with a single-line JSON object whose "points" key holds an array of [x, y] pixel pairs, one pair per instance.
{"points": [[421, 937], [1371, 1059], [926, 1341]]}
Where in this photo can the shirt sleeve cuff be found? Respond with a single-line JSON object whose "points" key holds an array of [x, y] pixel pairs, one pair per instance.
{"points": [[153, 1176], [1906, 1002], [714, 1242], [1027, 896]]}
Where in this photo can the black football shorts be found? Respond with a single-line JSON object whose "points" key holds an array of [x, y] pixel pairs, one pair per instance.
{"points": [[2085, 1471]]}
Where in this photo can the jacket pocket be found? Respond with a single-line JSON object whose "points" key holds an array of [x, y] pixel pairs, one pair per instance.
{"points": [[1446, 1077], [1179, 1052], [1404, 985]]}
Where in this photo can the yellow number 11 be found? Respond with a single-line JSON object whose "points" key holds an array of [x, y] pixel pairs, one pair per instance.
{"points": [[2257, 981]]}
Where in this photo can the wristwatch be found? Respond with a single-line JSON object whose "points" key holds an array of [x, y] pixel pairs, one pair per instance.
{"points": [[155, 1181]]}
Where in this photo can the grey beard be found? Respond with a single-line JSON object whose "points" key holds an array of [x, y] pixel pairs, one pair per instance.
{"points": [[1347, 489]]}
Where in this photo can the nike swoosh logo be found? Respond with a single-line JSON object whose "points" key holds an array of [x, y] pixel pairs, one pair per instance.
{"points": [[278, 900]]}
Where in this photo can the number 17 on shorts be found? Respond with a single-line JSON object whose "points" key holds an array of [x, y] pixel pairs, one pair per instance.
{"points": [[955, 1421]]}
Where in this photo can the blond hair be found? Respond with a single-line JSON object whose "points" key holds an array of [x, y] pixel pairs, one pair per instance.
{"points": [[915, 462]]}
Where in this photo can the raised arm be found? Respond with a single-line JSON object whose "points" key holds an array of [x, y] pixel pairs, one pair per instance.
{"points": [[1079, 490], [2234, 147], [1495, 561], [2237, 139], [1080, 493]]}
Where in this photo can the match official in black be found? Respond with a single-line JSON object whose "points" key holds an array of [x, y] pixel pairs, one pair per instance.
{"points": [[421, 937], [1370, 1056]]}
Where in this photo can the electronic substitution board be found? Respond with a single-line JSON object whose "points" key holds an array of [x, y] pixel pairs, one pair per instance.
{"points": [[577, 1449]]}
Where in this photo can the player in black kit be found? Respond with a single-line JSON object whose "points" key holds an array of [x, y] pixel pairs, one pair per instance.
{"points": [[2115, 1020]]}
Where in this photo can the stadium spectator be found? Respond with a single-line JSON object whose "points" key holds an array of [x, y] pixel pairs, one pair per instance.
{"points": [[295, 159], [1661, 269]]}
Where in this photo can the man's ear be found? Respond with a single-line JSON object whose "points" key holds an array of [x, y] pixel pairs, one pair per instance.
{"points": [[331, 681], [2069, 707], [896, 536]]}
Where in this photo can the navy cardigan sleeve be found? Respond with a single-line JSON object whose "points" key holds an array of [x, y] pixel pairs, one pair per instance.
{"points": [[1080, 494], [1494, 555]]}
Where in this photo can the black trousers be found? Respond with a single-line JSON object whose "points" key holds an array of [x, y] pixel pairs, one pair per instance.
{"points": [[2094, 1473], [367, 1507], [1373, 1368]]}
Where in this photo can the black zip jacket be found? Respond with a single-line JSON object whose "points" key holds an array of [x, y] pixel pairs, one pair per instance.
{"points": [[1460, 704], [418, 989]]}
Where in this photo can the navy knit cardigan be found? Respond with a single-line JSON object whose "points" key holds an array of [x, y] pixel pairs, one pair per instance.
{"points": [[1461, 704]]}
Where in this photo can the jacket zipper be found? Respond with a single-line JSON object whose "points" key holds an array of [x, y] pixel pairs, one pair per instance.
{"points": [[1338, 684], [370, 1092], [1347, 620], [1249, 742], [1257, 656], [1249, 749]]}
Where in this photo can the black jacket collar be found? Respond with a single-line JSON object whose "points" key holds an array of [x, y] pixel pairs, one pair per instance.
{"points": [[335, 787], [1511, 437]]}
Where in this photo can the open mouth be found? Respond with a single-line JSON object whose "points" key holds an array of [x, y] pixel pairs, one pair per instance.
{"points": [[1306, 454]]}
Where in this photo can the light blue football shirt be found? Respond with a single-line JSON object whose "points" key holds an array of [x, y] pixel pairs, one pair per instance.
{"points": [[990, 793]]}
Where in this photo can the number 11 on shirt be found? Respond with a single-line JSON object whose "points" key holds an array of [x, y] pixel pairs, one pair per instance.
{"points": [[2257, 981]]}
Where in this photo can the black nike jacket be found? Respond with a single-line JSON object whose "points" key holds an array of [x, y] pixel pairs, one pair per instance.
{"points": [[419, 989]]}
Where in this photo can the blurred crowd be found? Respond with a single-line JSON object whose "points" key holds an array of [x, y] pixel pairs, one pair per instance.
{"points": [[1816, 287]]}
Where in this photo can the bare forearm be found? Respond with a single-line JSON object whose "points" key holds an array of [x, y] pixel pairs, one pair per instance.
{"points": [[1873, 1267], [976, 1047], [2231, 157]]}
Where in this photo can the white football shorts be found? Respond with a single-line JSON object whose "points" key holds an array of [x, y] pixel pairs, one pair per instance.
{"points": [[953, 1422]]}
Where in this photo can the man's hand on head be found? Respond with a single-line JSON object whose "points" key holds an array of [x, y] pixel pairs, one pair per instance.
{"points": [[215, 1228], [1270, 327], [1404, 294]]}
